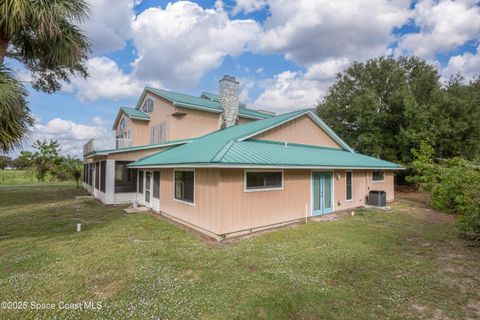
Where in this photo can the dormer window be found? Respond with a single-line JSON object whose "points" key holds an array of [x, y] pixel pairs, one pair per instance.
{"points": [[123, 123], [148, 106]]}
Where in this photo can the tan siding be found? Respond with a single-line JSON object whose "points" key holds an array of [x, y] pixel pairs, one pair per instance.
{"points": [[192, 123], [133, 155], [301, 130], [242, 210], [207, 199], [362, 184]]}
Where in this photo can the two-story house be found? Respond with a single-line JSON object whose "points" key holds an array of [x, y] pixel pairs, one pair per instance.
{"points": [[224, 169]]}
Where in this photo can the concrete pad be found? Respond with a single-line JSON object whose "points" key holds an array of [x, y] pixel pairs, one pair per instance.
{"points": [[139, 209]]}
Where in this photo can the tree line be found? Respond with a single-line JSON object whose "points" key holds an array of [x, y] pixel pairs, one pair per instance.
{"points": [[47, 162]]}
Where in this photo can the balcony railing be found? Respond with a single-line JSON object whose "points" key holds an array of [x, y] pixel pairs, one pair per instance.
{"points": [[123, 143]]}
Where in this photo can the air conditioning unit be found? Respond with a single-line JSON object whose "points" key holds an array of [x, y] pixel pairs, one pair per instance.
{"points": [[377, 198]]}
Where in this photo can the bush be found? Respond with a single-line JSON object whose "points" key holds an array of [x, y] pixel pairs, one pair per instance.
{"points": [[455, 187]]}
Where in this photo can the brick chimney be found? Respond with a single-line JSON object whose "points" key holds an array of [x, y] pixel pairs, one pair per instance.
{"points": [[228, 92]]}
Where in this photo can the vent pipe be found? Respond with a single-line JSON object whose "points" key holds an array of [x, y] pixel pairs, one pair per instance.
{"points": [[228, 91]]}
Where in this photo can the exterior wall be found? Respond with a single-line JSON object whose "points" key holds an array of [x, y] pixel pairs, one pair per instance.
{"points": [[244, 210], [301, 130], [362, 184], [191, 123], [134, 155], [205, 212]]}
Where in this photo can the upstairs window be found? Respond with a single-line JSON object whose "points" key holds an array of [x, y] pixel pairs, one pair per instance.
{"points": [[263, 180], [123, 123], [157, 133], [378, 175], [148, 105]]}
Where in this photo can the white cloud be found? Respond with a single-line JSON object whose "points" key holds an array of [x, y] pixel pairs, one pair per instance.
{"points": [[444, 25], [467, 64], [106, 80], [180, 43], [248, 6], [109, 24], [308, 32], [72, 136], [292, 90]]}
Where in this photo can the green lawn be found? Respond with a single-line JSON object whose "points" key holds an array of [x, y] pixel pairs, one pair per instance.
{"points": [[406, 263], [26, 176]]}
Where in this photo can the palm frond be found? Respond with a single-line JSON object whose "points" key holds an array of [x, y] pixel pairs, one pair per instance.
{"points": [[15, 118]]}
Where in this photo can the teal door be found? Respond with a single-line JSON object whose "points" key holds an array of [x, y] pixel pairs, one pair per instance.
{"points": [[322, 193]]}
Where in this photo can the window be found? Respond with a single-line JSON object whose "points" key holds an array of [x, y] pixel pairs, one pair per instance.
{"points": [[184, 186], [148, 105], [378, 175], [156, 184], [263, 180], [123, 123], [125, 178], [157, 133], [348, 183], [97, 175], [140, 181], [103, 175]]}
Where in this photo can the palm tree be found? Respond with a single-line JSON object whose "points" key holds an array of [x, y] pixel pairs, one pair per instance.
{"points": [[43, 36]]}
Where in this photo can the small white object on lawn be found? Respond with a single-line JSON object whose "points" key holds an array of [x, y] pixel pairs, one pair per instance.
{"points": [[79, 227]]}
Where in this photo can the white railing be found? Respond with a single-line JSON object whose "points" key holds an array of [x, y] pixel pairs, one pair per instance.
{"points": [[123, 143], [88, 147]]}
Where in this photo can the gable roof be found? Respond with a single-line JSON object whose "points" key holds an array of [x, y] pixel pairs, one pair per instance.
{"points": [[232, 147], [203, 102], [216, 98], [132, 114]]}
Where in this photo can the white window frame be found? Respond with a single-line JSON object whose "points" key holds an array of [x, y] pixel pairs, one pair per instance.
{"points": [[123, 123], [346, 186], [194, 188], [145, 101], [375, 181], [245, 189]]}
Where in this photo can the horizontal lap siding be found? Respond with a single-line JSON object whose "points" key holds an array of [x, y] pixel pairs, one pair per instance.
{"points": [[207, 199], [243, 210]]}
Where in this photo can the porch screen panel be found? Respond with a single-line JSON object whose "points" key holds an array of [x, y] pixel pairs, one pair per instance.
{"points": [[140, 181], [90, 174], [125, 178], [156, 184], [103, 175], [97, 175], [85, 173]]}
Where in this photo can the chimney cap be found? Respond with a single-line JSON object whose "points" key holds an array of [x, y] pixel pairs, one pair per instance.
{"points": [[229, 78]]}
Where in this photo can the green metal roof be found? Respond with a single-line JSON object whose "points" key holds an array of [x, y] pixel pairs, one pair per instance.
{"points": [[199, 103], [216, 98], [144, 147], [234, 147], [135, 113]]}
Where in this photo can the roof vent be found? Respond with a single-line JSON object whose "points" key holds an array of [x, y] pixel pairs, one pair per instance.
{"points": [[228, 91]]}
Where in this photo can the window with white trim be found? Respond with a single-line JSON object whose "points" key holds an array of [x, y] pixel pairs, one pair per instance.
{"points": [[349, 185], [263, 180], [148, 105], [378, 175], [123, 123], [184, 185]]}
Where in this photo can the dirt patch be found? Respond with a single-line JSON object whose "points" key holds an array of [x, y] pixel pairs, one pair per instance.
{"points": [[420, 201]]}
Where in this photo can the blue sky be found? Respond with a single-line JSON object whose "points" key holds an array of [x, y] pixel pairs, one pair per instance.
{"points": [[285, 53]]}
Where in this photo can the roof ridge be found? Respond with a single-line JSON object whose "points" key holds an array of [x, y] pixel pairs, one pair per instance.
{"points": [[219, 155], [293, 144]]}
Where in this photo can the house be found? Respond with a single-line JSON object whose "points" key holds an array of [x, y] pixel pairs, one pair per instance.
{"points": [[219, 167]]}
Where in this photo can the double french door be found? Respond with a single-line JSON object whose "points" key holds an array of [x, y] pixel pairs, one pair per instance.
{"points": [[322, 193]]}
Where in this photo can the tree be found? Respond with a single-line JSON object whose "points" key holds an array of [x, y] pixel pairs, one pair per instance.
{"points": [[15, 118], [385, 107], [43, 36], [46, 157], [24, 160], [74, 167], [5, 161]]}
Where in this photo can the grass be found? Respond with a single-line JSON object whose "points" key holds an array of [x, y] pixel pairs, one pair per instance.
{"points": [[406, 263], [26, 176]]}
